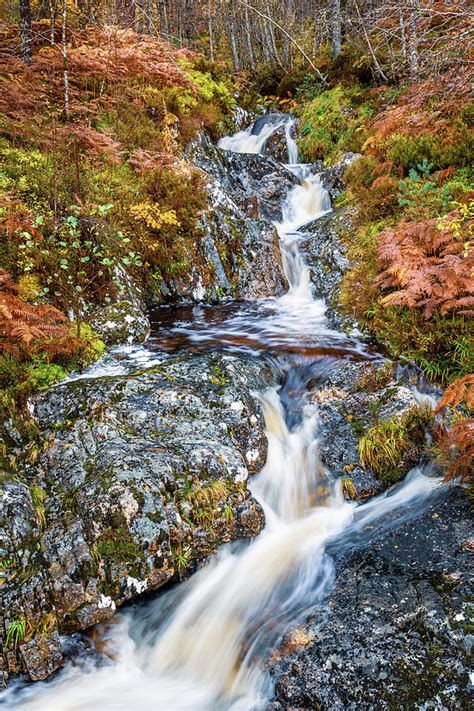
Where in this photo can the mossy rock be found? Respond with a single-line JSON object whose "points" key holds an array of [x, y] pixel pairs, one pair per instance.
{"points": [[121, 322], [393, 446]]}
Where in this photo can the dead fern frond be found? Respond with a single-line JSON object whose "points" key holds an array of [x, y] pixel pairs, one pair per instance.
{"points": [[461, 390], [24, 327]]}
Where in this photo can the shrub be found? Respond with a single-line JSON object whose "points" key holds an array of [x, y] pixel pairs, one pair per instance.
{"points": [[421, 196], [352, 65], [169, 245], [42, 375], [26, 328], [375, 188], [328, 125], [429, 265]]}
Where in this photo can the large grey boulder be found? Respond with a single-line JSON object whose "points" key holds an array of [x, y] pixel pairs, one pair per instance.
{"points": [[394, 632], [136, 479], [333, 177], [239, 256], [124, 319], [355, 395]]}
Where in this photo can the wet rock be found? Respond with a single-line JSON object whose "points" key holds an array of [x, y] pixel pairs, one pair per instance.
{"points": [[141, 477], [324, 249], [352, 397], [394, 632], [124, 320], [333, 177], [245, 248], [242, 118], [258, 184], [276, 145], [42, 656], [239, 253], [239, 257], [121, 322]]}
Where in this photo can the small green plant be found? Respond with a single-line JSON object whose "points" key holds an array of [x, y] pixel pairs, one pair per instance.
{"points": [[118, 545], [17, 631], [420, 196], [182, 559], [229, 513], [41, 374], [38, 497], [81, 257]]}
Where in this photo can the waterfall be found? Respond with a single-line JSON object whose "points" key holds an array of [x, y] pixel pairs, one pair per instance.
{"points": [[254, 138], [203, 645], [291, 143], [249, 142]]}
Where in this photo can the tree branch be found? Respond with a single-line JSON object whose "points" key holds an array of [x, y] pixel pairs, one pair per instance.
{"points": [[287, 35]]}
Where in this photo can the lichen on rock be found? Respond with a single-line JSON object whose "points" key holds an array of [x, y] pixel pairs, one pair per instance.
{"points": [[145, 475]]}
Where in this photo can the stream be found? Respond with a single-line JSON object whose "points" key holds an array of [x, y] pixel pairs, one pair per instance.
{"points": [[205, 643]]}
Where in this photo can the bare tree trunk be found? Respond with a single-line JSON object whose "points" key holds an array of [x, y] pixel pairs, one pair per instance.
{"points": [[52, 15], [286, 34], [376, 65], [248, 37], [64, 55], [26, 35], [164, 20], [210, 30], [232, 38], [336, 29], [401, 24], [413, 38]]}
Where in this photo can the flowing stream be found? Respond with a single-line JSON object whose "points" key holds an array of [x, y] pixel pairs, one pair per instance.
{"points": [[205, 644]]}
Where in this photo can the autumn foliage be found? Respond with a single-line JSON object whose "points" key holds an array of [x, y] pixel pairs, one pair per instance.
{"points": [[26, 328], [428, 266], [457, 442]]}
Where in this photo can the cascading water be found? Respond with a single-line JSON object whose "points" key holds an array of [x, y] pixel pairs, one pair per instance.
{"points": [[249, 142], [291, 144], [203, 645], [254, 138]]}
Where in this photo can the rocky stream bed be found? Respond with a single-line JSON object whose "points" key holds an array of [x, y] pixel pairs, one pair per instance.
{"points": [[137, 471]]}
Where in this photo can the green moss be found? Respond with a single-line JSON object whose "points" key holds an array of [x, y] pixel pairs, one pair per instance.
{"points": [[118, 546], [331, 124]]}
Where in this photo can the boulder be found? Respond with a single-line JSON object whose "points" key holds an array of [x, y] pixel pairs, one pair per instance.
{"points": [[352, 397], [124, 320], [237, 244], [333, 177], [257, 183], [138, 478], [324, 249], [121, 322], [394, 633], [276, 145]]}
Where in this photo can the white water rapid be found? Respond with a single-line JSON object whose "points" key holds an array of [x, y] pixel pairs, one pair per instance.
{"points": [[254, 138], [204, 645]]}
